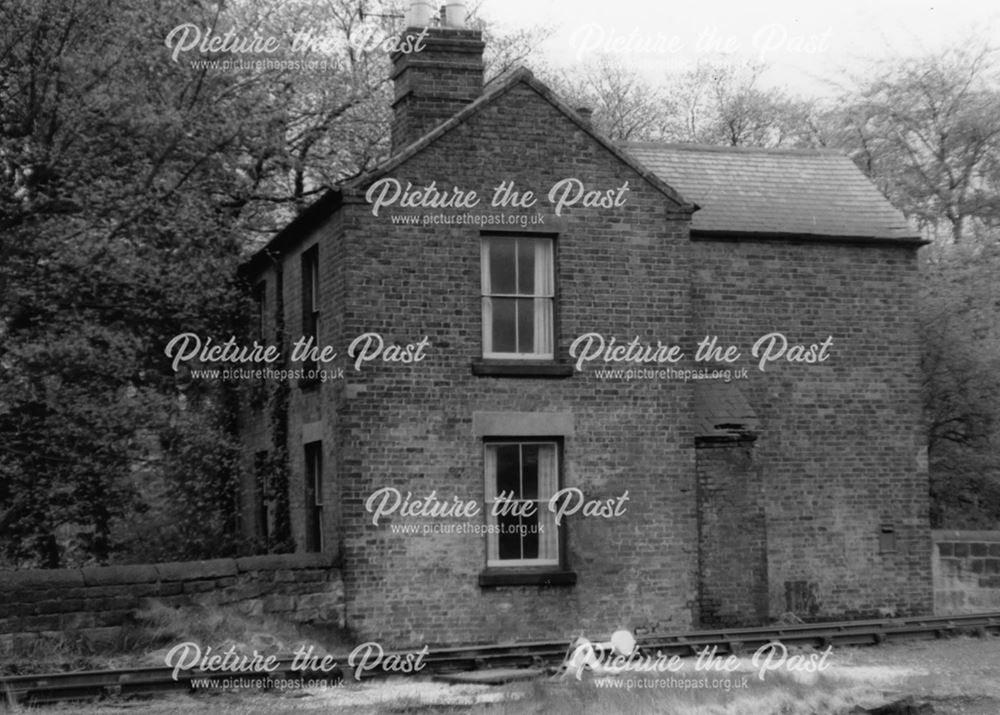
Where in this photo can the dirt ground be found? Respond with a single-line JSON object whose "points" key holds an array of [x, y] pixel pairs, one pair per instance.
{"points": [[958, 676]]}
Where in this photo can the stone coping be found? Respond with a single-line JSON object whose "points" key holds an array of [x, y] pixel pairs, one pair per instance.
{"points": [[940, 535], [172, 571]]}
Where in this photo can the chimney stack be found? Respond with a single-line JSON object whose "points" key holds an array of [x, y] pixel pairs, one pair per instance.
{"points": [[436, 81]]}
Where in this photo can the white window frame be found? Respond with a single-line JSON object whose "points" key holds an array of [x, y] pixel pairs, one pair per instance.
{"points": [[547, 295], [551, 533]]}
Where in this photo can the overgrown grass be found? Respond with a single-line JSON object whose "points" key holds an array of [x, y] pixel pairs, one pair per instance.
{"points": [[159, 626], [55, 652]]}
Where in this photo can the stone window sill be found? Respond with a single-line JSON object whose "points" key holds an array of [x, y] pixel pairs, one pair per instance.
{"points": [[527, 577], [520, 368]]}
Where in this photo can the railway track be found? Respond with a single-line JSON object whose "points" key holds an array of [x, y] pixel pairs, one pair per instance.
{"points": [[149, 681]]}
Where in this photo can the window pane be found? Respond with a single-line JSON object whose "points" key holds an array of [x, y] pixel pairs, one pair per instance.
{"points": [[529, 538], [314, 284], [318, 477], [526, 267], [529, 471], [547, 471], [502, 266], [260, 302], [548, 540], [504, 325], [310, 280], [526, 325], [508, 539], [507, 468]]}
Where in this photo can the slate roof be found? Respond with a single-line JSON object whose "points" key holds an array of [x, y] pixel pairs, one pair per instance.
{"points": [[779, 192], [739, 191]]}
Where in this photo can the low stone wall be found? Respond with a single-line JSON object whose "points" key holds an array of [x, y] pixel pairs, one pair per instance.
{"points": [[95, 603], [966, 568]]}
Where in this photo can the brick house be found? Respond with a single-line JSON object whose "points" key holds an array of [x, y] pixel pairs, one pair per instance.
{"points": [[498, 350]]}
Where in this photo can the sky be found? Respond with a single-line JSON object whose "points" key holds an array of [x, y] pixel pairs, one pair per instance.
{"points": [[806, 46]]}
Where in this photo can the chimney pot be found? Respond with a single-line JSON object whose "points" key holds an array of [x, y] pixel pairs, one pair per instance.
{"points": [[454, 15], [586, 114], [419, 14]]}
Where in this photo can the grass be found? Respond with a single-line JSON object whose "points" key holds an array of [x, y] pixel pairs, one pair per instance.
{"points": [[219, 627]]}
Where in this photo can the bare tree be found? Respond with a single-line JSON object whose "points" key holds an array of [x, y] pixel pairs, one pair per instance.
{"points": [[927, 129], [717, 103], [625, 106]]}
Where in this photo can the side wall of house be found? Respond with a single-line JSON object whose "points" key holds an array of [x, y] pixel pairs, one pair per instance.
{"points": [[312, 403], [293, 409], [420, 427], [840, 448], [256, 410]]}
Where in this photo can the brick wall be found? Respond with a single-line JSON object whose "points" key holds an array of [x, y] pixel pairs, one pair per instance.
{"points": [[966, 572], [435, 83], [840, 444], [732, 536], [621, 273], [94, 603]]}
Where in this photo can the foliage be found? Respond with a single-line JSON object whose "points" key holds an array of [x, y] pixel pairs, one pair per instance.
{"points": [[112, 239], [960, 322], [927, 130], [134, 176]]}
